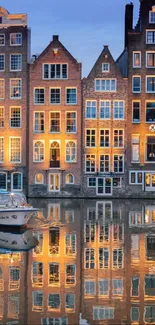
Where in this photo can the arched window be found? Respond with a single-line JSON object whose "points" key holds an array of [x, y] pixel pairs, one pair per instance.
{"points": [[38, 152], [16, 181], [39, 178], [3, 181], [69, 179], [70, 151], [55, 154]]}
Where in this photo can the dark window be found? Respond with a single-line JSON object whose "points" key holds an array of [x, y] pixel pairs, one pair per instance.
{"points": [[136, 112], [150, 146], [150, 112], [150, 84]]}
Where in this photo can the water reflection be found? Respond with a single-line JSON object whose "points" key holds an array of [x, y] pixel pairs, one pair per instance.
{"points": [[94, 264]]}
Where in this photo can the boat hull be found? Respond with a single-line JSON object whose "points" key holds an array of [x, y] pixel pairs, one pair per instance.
{"points": [[16, 241], [16, 216]]}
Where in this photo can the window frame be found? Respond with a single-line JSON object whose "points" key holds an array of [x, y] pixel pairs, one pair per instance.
{"points": [[15, 127], [118, 135], [75, 142], [49, 65], [118, 118], [146, 85], [136, 177], [136, 101], [15, 162], [34, 103], [109, 107], [150, 12], [73, 132], [69, 182], [15, 70], [2, 151], [2, 117], [51, 119], [108, 91], [147, 31], [89, 100], [42, 178], [50, 95], [90, 135], [150, 52], [108, 65], [133, 61], [16, 98], [17, 190], [66, 96], [133, 91], [38, 140], [118, 172], [3, 54], [34, 131], [21, 39], [132, 146], [90, 172]]}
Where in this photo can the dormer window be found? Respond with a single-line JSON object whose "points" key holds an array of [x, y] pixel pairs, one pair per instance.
{"points": [[152, 16], [105, 67]]}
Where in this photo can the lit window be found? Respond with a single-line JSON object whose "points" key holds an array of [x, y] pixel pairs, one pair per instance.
{"points": [[38, 152], [104, 163], [15, 117], [104, 138], [15, 149], [150, 59], [105, 67], [39, 124], [70, 242], [134, 314], [1, 149], [135, 148], [149, 313], [15, 62], [118, 258], [118, 138], [150, 84], [90, 138], [69, 179], [90, 109], [16, 39], [39, 96], [54, 272], [118, 163], [54, 240], [103, 258], [39, 178], [71, 122], [2, 62], [2, 39], [135, 112], [108, 85], [152, 16], [103, 233], [136, 59], [71, 96], [136, 84], [17, 180], [118, 110], [55, 96], [89, 258], [136, 177], [55, 71], [55, 122], [90, 165], [71, 152], [15, 88], [1, 117], [105, 107], [2, 88], [70, 274]]}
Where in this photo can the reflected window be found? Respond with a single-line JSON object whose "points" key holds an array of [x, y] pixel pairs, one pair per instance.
{"points": [[70, 274], [39, 248], [103, 258], [13, 306], [103, 287], [100, 313], [17, 180], [135, 247], [89, 258], [104, 210], [69, 216], [104, 233], [90, 229], [1, 306], [149, 313], [1, 279], [70, 302], [53, 302], [54, 321], [118, 258], [37, 273], [134, 314], [150, 285], [54, 240], [70, 244], [37, 301], [118, 232], [91, 214], [150, 247], [135, 286], [90, 288], [54, 273], [14, 277], [54, 212], [117, 287]]}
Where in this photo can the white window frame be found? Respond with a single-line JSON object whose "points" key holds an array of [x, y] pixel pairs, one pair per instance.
{"points": [[73, 132], [2, 151], [4, 39], [115, 280], [16, 44], [15, 162], [14, 70], [70, 309], [34, 131], [136, 101], [104, 249], [146, 78], [4, 61], [34, 307], [50, 96], [72, 176], [53, 309], [108, 66], [91, 106], [147, 31], [100, 135], [71, 162], [133, 91], [145, 150], [108, 281], [108, 107], [88, 182], [117, 266], [149, 52], [132, 146], [118, 135], [41, 104], [3, 88], [90, 261], [16, 127], [6, 183], [118, 172], [2, 116], [109, 91], [20, 97], [107, 310], [36, 276], [49, 65], [70, 284], [95, 163], [90, 135], [118, 118], [34, 141], [42, 178], [136, 66], [136, 177], [89, 293], [54, 182], [150, 12], [51, 119], [66, 96], [104, 154], [17, 190], [55, 284]]}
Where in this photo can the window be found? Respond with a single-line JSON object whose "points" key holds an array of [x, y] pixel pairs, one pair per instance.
{"points": [[149, 314], [54, 240], [39, 96], [55, 96], [1, 117], [150, 112], [136, 177], [37, 273], [150, 285], [71, 122], [15, 62], [118, 232], [103, 287], [104, 163], [135, 286], [136, 84], [118, 258], [135, 112], [39, 248], [70, 274], [69, 216], [108, 85], [1, 149], [152, 16], [89, 232], [37, 301], [39, 123], [117, 182], [2, 88], [70, 242], [90, 288], [150, 148], [102, 312], [118, 110], [54, 321], [16, 181], [2, 39], [54, 182], [90, 165], [55, 71], [136, 59], [16, 39], [55, 122], [38, 151], [91, 214], [89, 261], [15, 150], [105, 67], [104, 210], [104, 138], [91, 182], [69, 179], [14, 277], [53, 302], [150, 37], [54, 272], [15, 88], [135, 148], [134, 314], [91, 109], [150, 84], [118, 138], [117, 287], [105, 108], [70, 301], [54, 212], [103, 233], [15, 117], [3, 181], [71, 96], [90, 138], [13, 306], [118, 163], [39, 178], [103, 258], [71, 151], [2, 62], [150, 59]]}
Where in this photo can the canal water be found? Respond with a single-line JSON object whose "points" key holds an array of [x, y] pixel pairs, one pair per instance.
{"points": [[86, 262]]}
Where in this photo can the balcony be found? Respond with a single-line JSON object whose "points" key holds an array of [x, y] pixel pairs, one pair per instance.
{"points": [[54, 163]]}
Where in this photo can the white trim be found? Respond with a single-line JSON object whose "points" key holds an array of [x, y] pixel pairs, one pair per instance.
{"points": [[133, 53], [133, 91], [72, 176], [136, 101], [1, 172], [34, 141], [4, 39], [136, 177], [50, 121], [108, 91], [150, 30], [49, 64], [50, 95], [118, 101], [15, 162], [150, 12], [145, 150], [17, 190], [90, 100], [54, 179], [118, 138], [118, 154], [21, 39], [35, 132], [66, 96], [105, 101], [39, 173], [104, 187], [71, 162], [108, 65], [70, 284], [14, 70], [133, 135], [40, 104], [149, 52], [2, 161], [90, 137], [100, 129], [66, 122], [104, 154], [146, 77], [90, 154], [16, 98], [15, 127]]}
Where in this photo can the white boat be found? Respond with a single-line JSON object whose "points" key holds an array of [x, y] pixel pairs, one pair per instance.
{"points": [[16, 241], [14, 210]]}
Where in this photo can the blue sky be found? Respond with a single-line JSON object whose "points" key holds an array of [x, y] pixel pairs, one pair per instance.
{"points": [[83, 26]]}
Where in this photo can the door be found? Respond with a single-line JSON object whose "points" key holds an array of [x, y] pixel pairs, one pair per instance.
{"points": [[54, 182], [104, 186], [149, 182]]}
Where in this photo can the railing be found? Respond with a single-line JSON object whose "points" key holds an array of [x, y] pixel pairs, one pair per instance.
{"points": [[54, 163]]}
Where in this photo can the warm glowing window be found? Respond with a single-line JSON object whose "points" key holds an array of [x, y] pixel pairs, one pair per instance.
{"points": [[15, 62], [135, 148], [105, 107], [118, 258], [16, 39], [70, 122], [70, 274], [70, 242], [89, 261], [2, 88], [136, 112], [136, 177], [118, 139], [136, 84], [103, 258], [108, 85], [2, 39], [90, 109], [1, 149], [39, 178], [2, 62], [15, 117], [39, 122], [15, 149], [37, 273], [90, 137], [54, 180], [37, 301], [69, 179], [136, 59], [118, 110], [17, 180], [104, 163], [39, 96], [55, 96], [118, 163], [71, 96], [55, 71], [1, 117], [103, 233], [104, 138], [55, 122], [150, 59], [90, 288], [71, 151], [54, 272], [53, 303], [15, 88], [38, 151], [90, 164]]}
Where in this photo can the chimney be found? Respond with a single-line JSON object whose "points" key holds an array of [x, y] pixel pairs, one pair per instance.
{"points": [[128, 21], [55, 37]]}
